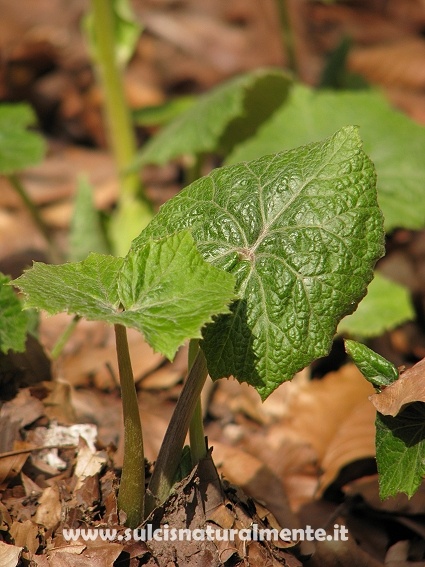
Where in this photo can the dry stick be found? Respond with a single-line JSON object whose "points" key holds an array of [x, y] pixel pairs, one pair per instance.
{"points": [[169, 455], [132, 486]]}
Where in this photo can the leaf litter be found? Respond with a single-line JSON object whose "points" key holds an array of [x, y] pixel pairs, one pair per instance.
{"points": [[275, 452]]}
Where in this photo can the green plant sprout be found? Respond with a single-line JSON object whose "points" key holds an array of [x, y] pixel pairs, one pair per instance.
{"points": [[21, 148], [113, 33], [258, 260], [400, 438]]}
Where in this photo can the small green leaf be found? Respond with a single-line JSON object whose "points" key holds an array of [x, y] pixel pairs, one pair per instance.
{"points": [[221, 118], [126, 31], [400, 450], [164, 289], [393, 141], [86, 232], [386, 305], [19, 148], [13, 321], [301, 232], [375, 368]]}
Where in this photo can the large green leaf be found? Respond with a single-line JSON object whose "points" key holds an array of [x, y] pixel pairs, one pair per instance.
{"points": [[221, 118], [19, 148], [301, 231], [400, 450], [164, 289], [386, 305], [13, 321], [393, 141]]}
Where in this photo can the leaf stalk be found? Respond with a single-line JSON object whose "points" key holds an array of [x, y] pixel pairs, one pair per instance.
{"points": [[132, 487], [169, 455]]}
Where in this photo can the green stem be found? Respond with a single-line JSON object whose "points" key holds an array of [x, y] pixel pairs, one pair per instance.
{"points": [[63, 339], [287, 34], [169, 455], [198, 447], [16, 183], [121, 133], [132, 487]]}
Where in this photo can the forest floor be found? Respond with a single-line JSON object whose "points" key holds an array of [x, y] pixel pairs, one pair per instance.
{"points": [[306, 455]]}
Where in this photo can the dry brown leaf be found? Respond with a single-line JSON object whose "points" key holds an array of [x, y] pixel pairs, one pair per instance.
{"points": [[11, 464], [341, 554], [49, 510], [353, 441], [256, 479], [409, 388], [395, 64], [320, 407], [25, 534], [9, 555], [81, 556]]}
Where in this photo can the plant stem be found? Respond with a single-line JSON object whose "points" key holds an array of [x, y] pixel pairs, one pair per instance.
{"points": [[16, 183], [287, 34], [63, 339], [169, 455], [198, 447], [132, 487], [121, 134]]}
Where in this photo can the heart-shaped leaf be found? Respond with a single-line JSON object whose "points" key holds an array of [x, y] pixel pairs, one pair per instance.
{"points": [[301, 232], [164, 289]]}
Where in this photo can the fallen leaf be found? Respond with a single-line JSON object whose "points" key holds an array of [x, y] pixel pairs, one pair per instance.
{"points": [[49, 511], [26, 534], [9, 555], [409, 388]]}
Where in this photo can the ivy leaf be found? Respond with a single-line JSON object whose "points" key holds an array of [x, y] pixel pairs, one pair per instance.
{"points": [[400, 450], [391, 139], [301, 232], [386, 305], [375, 368], [19, 148], [13, 321], [221, 118], [164, 289]]}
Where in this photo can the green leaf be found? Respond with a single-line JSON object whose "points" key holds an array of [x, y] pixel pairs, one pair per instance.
{"points": [[220, 118], [13, 321], [386, 305], [86, 232], [131, 216], [400, 450], [162, 114], [164, 289], [393, 141], [126, 31], [375, 368], [301, 232], [19, 148]]}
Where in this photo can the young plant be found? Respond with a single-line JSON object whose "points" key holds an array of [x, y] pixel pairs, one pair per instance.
{"points": [[21, 148], [400, 420], [289, 239], [113, 34]]}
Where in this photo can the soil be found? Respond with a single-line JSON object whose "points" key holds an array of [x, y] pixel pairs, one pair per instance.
{"points": [[304, 457]]}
